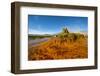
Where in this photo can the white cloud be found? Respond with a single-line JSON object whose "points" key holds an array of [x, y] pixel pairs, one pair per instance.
{"points": [[32, 31]]}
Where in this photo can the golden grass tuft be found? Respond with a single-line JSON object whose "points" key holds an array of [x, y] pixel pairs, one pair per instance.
{"points": [[59, 48]]}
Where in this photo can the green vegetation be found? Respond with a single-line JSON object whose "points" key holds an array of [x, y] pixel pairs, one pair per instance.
{"points": [[38, 36], [65, 34]]}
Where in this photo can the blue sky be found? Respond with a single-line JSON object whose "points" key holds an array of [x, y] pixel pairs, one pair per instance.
{"points": [[41, 24]]}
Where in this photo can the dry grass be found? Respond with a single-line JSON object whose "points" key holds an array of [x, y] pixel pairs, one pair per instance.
{"points": [[59, 48]]}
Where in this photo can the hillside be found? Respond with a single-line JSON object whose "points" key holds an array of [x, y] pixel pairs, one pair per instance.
{"points": [[65, 45]]}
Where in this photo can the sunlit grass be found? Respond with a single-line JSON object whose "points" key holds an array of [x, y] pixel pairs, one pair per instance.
{"points": [[59, 48]]}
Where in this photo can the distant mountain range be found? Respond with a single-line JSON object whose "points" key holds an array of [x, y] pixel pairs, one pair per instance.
{"points": [[41, 34], [81, 32]]}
